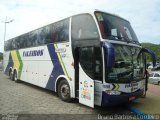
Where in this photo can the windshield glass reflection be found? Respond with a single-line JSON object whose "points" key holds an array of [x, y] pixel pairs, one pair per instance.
{"points": [[128, 66], [115, 28]]}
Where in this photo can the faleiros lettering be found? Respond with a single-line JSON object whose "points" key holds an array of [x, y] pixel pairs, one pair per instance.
{"points": [[33, 53]]}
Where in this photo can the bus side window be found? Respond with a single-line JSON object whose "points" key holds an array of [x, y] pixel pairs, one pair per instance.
{"points": [[13, 44], [64, 31], [60, 31], [84, 27], [43, 35]]}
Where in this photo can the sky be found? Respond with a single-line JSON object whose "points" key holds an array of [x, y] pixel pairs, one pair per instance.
{"points": [[27, 15]]}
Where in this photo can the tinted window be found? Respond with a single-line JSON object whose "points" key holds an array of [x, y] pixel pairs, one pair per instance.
{"points": [[10, 44], [91, 62], [156, 75], [115, 28], [98, 63], [17, 43], [24, 38], [60, 31], [33, 39], [6, 45], [56, 32], [13, 44], [43, 35], [22, 42], [86, 60], [84, 27]]}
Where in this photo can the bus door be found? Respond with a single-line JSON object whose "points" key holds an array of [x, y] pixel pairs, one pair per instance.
{"points": [[154, 57], [86, 72], [150, 52]]}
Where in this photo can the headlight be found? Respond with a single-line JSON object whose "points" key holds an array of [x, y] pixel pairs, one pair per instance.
{"points": [[112, 92], [142, 88]]}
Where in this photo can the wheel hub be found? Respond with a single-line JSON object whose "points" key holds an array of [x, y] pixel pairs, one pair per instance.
{"points": [[64, 90]]}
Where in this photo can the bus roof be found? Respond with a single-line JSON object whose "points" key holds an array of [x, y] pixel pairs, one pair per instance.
{"points": [[91, 11]]}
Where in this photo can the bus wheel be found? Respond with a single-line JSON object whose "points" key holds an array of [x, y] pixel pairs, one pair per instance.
{"points": [[15, 78], [144, 95], [64, 91], [10, 75]]}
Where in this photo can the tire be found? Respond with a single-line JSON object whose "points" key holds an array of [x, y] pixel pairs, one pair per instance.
{"points": [[10, 75], [64, 91], [144, 95], [159, 83], [15, 77]]}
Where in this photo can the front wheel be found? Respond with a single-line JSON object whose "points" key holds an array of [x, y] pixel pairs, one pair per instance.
{"points": [[144, 95], [64, 91]]}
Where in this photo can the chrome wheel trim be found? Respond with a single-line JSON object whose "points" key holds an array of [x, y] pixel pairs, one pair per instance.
{"points": [[64, 90], [15, 77]]}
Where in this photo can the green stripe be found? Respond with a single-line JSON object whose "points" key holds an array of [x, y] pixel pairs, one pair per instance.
{"points": [[21, 64], [62, 64]]}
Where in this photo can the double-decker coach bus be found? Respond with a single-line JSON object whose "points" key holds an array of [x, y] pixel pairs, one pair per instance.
{"points": [[94, 56]]}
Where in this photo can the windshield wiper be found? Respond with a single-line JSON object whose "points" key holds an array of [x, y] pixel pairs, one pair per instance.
{"points": [[116, 37], [132, 41], [124, 39], [136, 42], [120, 38]]}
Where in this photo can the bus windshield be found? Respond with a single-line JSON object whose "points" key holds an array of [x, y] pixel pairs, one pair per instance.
{"points": [[115, 28], [127, 67]]}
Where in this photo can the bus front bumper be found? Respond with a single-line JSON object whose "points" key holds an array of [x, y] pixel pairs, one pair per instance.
{"points": [[110, 100]]}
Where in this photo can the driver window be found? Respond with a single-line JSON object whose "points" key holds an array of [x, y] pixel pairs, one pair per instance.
{"points": [[91, 62], [86, 60]]}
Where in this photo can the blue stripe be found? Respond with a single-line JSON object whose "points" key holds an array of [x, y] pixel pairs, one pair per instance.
{"points": [[140, 114], [57, 69], [10, 64]]}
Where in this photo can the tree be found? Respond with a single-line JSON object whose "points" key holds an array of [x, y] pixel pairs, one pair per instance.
{"points": [[154, 47], [1, 56]]}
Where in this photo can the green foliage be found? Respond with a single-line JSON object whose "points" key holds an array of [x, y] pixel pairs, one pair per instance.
{"points": [[1, 56], [154, 47]]}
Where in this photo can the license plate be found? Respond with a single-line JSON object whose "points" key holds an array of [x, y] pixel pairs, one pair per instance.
{"points": [[132, 98]]}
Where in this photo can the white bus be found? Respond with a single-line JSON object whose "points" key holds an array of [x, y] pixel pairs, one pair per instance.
{"points": [[93, 56]]}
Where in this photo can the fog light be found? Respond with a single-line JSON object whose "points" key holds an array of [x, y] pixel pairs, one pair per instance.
{"points": [[112, 92]]}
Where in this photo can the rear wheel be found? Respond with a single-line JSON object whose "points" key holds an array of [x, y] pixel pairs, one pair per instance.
{"points": [[64, 91], [15, 77], [10, 75], [159, 83]]}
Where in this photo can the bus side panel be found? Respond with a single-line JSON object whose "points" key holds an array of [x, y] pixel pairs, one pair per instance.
{"points": [[7, 62], [36, 65], [57, 68], [64, 52], [42, 69], [61, 57]]}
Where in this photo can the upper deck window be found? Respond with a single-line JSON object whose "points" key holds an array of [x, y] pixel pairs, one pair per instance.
{"points": [[84, 27], [53, 33], [115, 28]]}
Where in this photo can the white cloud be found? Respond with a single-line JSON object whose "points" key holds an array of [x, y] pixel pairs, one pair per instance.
{"points": [[31, 14]]}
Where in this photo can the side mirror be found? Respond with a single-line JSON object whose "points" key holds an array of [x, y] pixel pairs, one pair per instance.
{"points": [[154, 57], [109, 54]]}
